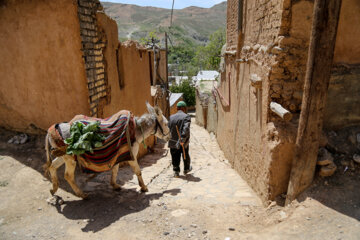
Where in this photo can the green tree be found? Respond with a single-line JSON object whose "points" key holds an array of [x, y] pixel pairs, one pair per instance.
{"points": [[151, 35], [209, 56], [187, 89]]}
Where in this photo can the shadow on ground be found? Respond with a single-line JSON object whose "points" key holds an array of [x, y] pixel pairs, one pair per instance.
{"points": [[339, 192], [32, 154], [101, 210], [190, 178]]}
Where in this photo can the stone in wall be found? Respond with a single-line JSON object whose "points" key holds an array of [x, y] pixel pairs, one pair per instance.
{"points": [[289, 68]]}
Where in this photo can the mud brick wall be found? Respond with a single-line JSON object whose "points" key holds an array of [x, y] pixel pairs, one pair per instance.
{"points": [[276, 39], [93, 47], [257, 150], [288, 73], [43, 78], [232, 24], [286, 78]]}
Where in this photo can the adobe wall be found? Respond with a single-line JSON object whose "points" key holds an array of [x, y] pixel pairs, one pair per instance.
{"points": [[121, 84], [211, 123], [201, 108], [273, 47], [347, 48], [42, 72], [232, 24], [133, 62], [94, 42], [287, 75], [135, 91], [288, 72], [343, 101], [161, 66], [258, 149]]}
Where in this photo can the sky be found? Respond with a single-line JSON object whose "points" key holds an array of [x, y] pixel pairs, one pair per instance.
{"points": [[179, 4]]}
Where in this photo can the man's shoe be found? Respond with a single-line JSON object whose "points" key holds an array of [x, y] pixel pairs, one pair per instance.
{"points": [[176, 174], [188, 170]]}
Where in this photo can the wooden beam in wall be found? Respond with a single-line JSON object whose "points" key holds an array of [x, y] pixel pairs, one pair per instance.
{"points": [[320, 57]]}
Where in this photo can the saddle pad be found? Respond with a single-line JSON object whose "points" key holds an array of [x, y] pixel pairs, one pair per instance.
{"points": [[115, 147]]}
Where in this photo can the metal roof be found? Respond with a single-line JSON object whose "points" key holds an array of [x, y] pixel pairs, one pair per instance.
{"points": [[206, 75], [174, 97]]}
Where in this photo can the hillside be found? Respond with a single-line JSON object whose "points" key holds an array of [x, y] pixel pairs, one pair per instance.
{"points": [[193, 24]]}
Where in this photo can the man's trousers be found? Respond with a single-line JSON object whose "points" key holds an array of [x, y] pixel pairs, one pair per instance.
{"points": [[176, 155]]}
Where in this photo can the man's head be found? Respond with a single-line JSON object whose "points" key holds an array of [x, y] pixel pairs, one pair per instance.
{"points": [[181, 105]]}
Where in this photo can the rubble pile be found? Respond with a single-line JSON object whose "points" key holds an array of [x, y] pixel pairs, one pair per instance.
{"points": [[342, 147], [19, 139]]}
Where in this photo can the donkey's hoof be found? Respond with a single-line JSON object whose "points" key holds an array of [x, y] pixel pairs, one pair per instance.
{"points": [[145, 189], [84, 196], [117, 188], [52, 192]]}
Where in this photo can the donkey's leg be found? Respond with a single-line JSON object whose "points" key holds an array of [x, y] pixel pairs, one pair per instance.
{"points": [[114, 173], [56, 163], [70, 166], [136, 169]]}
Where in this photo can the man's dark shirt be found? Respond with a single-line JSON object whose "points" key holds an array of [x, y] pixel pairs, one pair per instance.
{"points": [[182, 120]]}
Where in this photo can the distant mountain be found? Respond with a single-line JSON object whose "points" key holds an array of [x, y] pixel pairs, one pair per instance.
{"points": [[192, 24]]}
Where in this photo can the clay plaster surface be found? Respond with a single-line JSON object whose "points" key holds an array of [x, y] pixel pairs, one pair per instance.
{"points": [[43, 77]]}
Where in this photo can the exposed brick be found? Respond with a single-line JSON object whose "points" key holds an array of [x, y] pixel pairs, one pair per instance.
{"points": [[98, 52], [87, 39], [99, 71], [88, 45], [100, 76], [94, 98], [92, 45], [92, 105], [91, 85], [86, 3], [99, 64], [87, 65], [99, 83], [90, 73], [89, 52], [98, 58]]}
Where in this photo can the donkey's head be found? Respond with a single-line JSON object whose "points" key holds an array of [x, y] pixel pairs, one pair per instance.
{"points": [[161, 128]]}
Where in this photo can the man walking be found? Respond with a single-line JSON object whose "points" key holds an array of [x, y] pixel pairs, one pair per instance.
{"points": [[179, 125]]}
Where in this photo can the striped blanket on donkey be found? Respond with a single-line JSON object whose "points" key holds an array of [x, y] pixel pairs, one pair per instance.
{"points": [[119, 134]]}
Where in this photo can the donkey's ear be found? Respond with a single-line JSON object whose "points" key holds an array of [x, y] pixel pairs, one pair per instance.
{"points": [[150, 109], [158, 111]]}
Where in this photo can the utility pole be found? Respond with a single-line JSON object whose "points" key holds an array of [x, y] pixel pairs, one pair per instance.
{"points": [[167, 79], [318, 69], [155, 67]]}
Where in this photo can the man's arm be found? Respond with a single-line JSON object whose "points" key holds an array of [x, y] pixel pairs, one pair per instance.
{"points": [[185, 133]]}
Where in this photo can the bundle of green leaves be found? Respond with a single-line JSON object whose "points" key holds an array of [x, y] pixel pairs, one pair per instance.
{"points": [[84, 138]]}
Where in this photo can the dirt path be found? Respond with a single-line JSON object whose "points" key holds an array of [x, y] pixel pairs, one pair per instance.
{"points": [[213, 202]]}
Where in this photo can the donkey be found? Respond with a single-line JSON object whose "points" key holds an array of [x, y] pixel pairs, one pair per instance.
{"points": [[152, 123]]}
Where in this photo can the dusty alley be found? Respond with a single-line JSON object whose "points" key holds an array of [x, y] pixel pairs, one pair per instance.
{"points": [[212, 202]]}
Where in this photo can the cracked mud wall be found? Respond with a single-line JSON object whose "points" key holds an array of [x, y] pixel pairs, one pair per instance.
{"points": [[43, 77], [242, 118], [128, 74], [272, 46], [287, 74], [62, 59]]}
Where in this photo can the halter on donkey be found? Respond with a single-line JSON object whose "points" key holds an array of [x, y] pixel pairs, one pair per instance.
{"points": [[153, 123]]}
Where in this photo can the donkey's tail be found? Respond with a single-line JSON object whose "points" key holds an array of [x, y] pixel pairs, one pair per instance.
{"points": [[47, 165]]}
